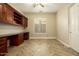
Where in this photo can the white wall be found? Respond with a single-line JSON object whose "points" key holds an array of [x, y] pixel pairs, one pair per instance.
{"points": [[51, 24], [62, 24]]}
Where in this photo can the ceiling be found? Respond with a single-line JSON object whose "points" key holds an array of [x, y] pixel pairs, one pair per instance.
{"points": [[29, 8]]}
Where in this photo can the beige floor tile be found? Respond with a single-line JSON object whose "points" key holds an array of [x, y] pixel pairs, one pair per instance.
{"points": [[41, 47]]}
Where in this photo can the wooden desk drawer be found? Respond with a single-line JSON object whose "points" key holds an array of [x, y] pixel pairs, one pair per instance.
{"points": [[3, 46], [3, 49], [16, 40], [3, 41]]}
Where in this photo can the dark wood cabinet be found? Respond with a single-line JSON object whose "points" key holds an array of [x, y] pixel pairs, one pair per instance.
{"points": [[11, 16], [25, 22], [3, 45], [8, 14], [16, 40], [2, 13], [18, 18], [21, 38], [26, 35]]}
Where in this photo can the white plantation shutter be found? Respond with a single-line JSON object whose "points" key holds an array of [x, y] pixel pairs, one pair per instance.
{"points": [[40, 26], [37, 28], [43, 28]]}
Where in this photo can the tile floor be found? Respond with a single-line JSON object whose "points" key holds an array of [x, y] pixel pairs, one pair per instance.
{"points": [[41, 47]]}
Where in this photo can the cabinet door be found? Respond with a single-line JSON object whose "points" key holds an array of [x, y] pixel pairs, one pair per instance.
{"points": [[16, 40], [26, 36], [25, 22], [3, 46], [20, 37], [8, 14], [0, 11]]}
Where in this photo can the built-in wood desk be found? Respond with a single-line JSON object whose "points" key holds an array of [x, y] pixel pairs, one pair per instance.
{"points": [[3, 45], [16, 40], [10, 16]]}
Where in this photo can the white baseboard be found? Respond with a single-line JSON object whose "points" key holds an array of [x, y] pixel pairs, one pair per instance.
{"points": [[42, 37], [67, 45]]}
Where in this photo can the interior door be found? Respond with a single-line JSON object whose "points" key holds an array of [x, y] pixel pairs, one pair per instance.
{"points": [[74, 27]]}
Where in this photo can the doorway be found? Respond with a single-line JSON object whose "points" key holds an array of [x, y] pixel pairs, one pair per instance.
{"points": [[74, 27]]}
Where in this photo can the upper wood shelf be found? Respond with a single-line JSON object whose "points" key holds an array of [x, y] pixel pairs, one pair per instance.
{"points": [[10, 15]]}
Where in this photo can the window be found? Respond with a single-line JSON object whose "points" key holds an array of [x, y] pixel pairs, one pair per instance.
{"points": [[40, 25]]}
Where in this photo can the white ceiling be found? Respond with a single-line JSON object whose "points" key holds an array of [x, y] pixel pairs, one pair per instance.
{"points": [[28, 7]]}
